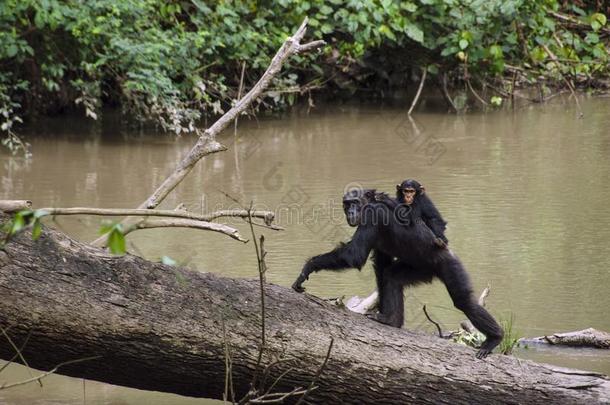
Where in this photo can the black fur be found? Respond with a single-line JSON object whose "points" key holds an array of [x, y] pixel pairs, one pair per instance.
{"points": [[424, 208], [403, 255]]}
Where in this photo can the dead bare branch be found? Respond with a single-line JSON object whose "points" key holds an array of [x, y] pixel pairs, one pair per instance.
{"points": [[239, 90], [484, 295], [419, 89], [582, 338], [228, 365], [476, 95], [187, 223], [267, 216], [445, 92], [311, 45], [207, 144], [272, 227], [438, 327], [574, 21], [262, 268], [15, 205]]}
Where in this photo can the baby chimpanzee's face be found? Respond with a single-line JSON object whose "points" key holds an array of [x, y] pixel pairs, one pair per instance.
{"points": [[409, 195]]}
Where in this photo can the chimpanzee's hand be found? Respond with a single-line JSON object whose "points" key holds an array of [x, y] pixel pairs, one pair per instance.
{"points": [[440, 243], [297, 285]]}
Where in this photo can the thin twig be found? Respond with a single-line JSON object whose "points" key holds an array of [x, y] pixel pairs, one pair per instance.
{"points": [[272, 227], [294, 89], [277, 398], [414, 125], [268, 371], [187, 223], [445, 92], [25, 342], [260, 257], [438, 327], [262, 268], [318, 374], [18, 352], [239, 90], [228, 364], [277, 380], [476, 95], [47, 373], [512, 91], [419, 89]]}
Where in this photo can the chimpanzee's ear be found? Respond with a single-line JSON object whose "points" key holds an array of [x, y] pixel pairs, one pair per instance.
{"points": [[398, 188], [422, 190]]}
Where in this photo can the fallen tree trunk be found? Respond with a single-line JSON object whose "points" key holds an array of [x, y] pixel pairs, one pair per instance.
{"points": [[158, 327], [581, 338]]}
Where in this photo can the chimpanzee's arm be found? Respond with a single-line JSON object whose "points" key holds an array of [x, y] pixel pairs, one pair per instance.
{"points": [[433, 219], [438, 226], [352, 254]]}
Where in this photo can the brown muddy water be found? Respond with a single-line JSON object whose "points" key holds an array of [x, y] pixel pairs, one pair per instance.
{"points": [[525, 193]]}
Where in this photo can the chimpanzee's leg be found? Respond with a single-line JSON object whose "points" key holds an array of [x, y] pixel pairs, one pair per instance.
{"points": [[391, 299], [381, 262], [455, 278]]}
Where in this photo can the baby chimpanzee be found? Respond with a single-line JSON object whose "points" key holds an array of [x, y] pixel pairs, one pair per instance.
{"points": [[410, 191]]}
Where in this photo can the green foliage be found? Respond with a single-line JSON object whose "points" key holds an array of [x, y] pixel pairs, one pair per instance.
{"points": [[21, 220], [496, 101], [511, 338], [116, 237], [8, 114], [173, 61], [474, 339]]}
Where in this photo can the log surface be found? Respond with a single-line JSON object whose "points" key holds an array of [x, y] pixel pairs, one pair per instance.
{"points": [[158, 327]]}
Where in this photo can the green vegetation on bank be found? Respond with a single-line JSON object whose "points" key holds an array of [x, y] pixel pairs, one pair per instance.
{"points": [[171, 62]]}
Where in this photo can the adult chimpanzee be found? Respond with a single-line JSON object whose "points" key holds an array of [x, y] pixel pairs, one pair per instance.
{"points": [[407, 192], [405, 253]]}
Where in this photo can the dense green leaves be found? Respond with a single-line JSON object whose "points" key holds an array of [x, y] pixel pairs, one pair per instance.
{"points": [[172, 61]]}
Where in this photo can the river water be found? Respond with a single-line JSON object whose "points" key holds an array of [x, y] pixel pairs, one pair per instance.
{"points": [[525, 193]]}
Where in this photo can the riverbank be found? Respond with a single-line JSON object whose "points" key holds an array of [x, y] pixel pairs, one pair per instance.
{"points": [[176, 64]]}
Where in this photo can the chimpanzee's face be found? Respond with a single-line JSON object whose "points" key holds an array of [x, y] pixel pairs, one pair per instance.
{"points": [[353, 202], [352, 209], [409, 195]]}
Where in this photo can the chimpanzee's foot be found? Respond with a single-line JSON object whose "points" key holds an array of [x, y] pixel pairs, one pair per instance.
{"points": [[488, 346], [298, 287], [382, 318]]}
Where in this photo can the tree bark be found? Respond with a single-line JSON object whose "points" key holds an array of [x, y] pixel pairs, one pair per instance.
{"points": [[158, 327]]}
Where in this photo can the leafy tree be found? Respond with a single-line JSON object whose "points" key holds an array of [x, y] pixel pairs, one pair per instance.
{"points": [[172, 61]]}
